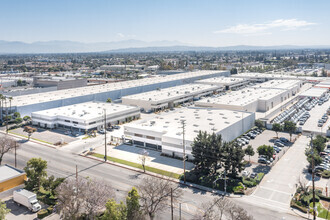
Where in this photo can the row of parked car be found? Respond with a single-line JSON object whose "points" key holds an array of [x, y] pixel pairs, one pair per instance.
{"points": [[322, 120], [109, 129], [325, 165], [245, 139], [324, 99], [304, 118], [278, 145]]}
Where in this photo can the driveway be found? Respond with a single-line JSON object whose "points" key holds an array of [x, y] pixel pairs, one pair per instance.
{"points": [[278, 186]]}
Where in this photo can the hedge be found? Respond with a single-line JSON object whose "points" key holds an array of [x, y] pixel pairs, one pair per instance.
{"points": [[42, 214], [293, 204], [259, 177], [50, 209], [325, 174]]}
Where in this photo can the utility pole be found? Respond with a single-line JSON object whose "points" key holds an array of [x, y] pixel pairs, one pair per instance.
{"points": [[15, 154], [184, 149], [76, 172], [172, 204], [313, 177], [105, 136]]}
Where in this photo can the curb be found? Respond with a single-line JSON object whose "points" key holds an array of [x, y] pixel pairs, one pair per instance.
{"points": [[187, 184]]}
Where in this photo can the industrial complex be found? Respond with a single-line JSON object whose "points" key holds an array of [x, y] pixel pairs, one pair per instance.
{"points": [[226, 82]]}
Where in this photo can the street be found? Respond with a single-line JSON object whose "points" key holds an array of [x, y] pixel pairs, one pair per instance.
{"points": [[62, 164]]}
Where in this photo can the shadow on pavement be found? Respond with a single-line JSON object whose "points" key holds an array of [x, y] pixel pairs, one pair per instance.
{"points": [[261, 169]]}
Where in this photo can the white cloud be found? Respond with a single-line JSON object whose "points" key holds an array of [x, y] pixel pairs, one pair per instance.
{"points": [[282, 24], [121, 35]]}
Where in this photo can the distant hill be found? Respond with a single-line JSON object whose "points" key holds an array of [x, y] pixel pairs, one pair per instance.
{"points": [[129, 46]]}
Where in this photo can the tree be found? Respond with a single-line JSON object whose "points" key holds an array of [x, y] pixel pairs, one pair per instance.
{"points": [[114, 211], [50, 184], [232, 158], [266, 150], [290, 127], [3, 210], [233, 71], [222, 208], [133, 205], [82, 196], [18, 120], [109, 100], [324, 73], [29, 130], [259, 124], [26, 118], [143, 157], [17, 115], [36, 173], [154, 194], [277, 127], [319, 143], [249, 151], [6, 144]]}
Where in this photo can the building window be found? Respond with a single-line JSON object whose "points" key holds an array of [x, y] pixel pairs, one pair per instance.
{"points": [[94, 122], [150, 137], [67, 120], [138, 135], [74, 122]]}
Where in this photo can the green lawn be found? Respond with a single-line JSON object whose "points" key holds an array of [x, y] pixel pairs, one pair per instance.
{"points": [[139, 166], [322, 212]]}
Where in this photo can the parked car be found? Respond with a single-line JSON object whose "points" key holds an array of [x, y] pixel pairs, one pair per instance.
{"points": [[101, 131], [263, 161], [253, 175], [245, 173], [116, 127]]}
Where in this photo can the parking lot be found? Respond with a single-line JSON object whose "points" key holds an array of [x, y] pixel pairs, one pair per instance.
{"points": [[47, 135], [267, 137], [316, 113]]}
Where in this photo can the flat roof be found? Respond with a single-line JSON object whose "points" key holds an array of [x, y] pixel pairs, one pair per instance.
{"points": [[222, 80], [243, 97], [8, 172], [278, 84], [87, 90], [314, 92], [204, 119], [172, 92], [86, 110]]}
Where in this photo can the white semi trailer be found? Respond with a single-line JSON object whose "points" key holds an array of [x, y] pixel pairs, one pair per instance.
{"points": [[27, 198]]}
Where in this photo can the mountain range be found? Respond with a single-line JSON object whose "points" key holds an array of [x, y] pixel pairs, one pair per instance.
{"points": [[129, 46]]}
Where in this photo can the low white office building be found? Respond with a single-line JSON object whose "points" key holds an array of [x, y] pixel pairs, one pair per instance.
{"points": [[226, 82], [314, 92], [85, 116], [169, 97], [165, 133], [248, 99]]}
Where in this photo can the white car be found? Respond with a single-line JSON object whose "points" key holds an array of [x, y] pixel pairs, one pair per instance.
{"points": [[245, 173]]}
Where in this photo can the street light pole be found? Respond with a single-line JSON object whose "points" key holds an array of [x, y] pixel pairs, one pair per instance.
{"points": [[105, 136]]}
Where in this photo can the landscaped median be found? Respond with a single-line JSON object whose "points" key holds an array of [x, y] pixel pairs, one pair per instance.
{"points": [[30, 138], [139, 166]]}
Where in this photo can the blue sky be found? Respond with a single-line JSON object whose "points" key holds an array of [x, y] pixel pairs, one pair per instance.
{"points": [[203, 22]]}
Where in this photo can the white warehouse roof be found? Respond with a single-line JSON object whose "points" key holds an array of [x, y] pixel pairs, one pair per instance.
{"points": [[314, 92], [278, 84], [172, 93], [222, 81], [88, 90]]}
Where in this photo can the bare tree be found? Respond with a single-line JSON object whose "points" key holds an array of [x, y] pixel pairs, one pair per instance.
{"points": [[6, 144], [220, 208], [155, 193], [96, 196], [143, 157], [82, 196]]}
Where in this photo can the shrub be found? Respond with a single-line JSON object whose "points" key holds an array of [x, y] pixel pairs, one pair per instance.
{"points": [[239, 189], [259, 177], [50, 209], [326, 174], [294, 204], [248, 182], [42, 214], [26, 118], [18, 120]]}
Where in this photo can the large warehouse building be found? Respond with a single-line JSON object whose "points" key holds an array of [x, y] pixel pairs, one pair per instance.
{"points": [[169, 97], [164, 133], [293, 86], [35, 102], [85, 116], [226, 82], [249, 99]]}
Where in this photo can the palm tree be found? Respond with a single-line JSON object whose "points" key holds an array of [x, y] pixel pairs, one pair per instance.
{"points": [[10, 99]]}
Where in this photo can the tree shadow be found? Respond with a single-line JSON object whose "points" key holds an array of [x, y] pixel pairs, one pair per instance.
{"points": [[261, 169]]}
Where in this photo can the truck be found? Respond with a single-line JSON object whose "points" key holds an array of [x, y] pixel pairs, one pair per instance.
{"points": [[27, 199]]}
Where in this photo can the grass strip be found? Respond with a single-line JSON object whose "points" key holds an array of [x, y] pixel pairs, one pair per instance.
{"points": [[139, 166]]}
